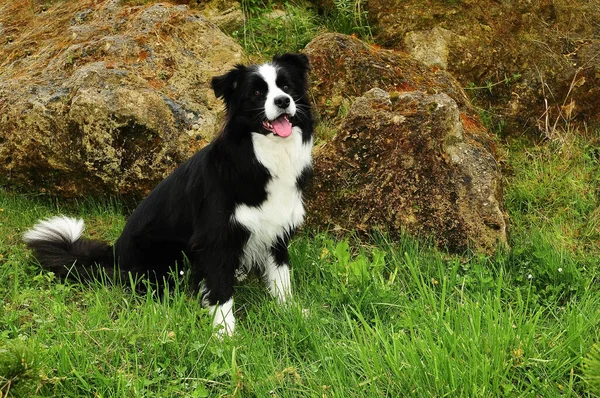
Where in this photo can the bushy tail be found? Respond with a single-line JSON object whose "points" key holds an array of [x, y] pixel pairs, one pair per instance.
{"points": [[59, 247]]}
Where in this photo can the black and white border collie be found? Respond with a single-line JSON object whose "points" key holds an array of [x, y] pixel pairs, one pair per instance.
{"points": [[230, 209]]}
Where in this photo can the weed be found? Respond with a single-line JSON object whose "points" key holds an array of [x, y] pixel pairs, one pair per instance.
{"points": [[350, 17], [493, 122], [273, 27], [591, 369], [553, 201], [18, 367], [253, 8], [489, 85], [270, 30], [560, 129]]}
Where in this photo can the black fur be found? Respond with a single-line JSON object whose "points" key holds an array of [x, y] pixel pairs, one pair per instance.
{"points": [[83, 259]]}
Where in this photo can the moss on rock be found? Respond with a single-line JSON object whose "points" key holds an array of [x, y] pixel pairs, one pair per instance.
{"points": [[527, 58]]}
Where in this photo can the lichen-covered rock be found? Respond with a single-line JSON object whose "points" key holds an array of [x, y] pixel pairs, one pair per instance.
{"points": [[226, 14], [528, 58], [403, 161], [109, 98], [430, 47], [410, 152], [345, 67]]}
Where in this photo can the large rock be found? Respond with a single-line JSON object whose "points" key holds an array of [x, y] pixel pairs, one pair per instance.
{"points": [[402, 161], [109, 99], [410, 152], [345, 67], [525, 58]]}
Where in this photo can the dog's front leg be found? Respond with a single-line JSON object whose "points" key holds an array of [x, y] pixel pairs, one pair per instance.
{"points": [[277, 272]]}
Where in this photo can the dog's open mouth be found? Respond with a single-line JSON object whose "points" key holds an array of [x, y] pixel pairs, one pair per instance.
{"points": [[280, 126]]}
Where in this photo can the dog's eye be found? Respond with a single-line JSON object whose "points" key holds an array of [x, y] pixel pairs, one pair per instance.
{"points": [[257, 93], [286, 88]]}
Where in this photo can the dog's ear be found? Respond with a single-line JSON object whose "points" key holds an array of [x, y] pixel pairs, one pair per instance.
{"points": [[225, 85], [295, 60]]}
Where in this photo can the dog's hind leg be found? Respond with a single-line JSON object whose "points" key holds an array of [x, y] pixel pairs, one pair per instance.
{"points": [[217, 290]]}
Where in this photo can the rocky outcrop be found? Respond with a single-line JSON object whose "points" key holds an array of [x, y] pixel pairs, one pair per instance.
{"points": [[410, 152], [115, 104], [226, 14], [402, 161], [525, 59], [109, 98], [345, 67]]}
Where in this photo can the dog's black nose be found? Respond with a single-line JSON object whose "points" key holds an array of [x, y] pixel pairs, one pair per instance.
{"points": [[283, 101]]}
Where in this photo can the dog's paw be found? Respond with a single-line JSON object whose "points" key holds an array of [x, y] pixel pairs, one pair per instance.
{"points": [[223, 319]]}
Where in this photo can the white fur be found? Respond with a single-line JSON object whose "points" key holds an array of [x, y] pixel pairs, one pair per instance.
{"points": [[223, 319], [55, 229], [269, 74], [204, 295], [283, 210], [278, 280]]}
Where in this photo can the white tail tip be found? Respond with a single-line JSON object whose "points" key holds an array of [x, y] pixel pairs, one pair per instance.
{"points": [[55, 229]]}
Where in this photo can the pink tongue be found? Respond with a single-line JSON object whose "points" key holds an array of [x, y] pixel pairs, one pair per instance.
{"points": [[282, 127]]}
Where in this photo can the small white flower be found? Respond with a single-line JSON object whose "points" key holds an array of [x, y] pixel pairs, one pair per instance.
{"points": [[560, 270], [181, 273], [529, 276]]}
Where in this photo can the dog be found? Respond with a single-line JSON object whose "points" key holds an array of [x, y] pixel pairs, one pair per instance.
{"points": [[229, 210]]}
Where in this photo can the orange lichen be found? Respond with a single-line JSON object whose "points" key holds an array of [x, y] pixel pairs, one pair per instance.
{"points": [[470, 124]]}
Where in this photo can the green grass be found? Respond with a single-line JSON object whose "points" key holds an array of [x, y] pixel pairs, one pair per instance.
{"points": [[275, 27], [270, 30], [554, 200], [349, 17], [385, 318]]}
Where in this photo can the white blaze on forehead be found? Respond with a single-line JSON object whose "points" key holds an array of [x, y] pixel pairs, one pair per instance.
{"points": [[268, 72]]}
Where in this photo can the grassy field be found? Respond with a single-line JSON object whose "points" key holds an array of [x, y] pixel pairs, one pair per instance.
{"points": [[386, 318]]}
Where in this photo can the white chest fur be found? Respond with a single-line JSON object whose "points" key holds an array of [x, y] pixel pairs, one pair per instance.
{"points": [[283, 210]]}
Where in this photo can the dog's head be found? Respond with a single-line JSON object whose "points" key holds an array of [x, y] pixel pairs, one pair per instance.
{"points": [[270, 98]]}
